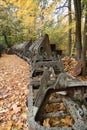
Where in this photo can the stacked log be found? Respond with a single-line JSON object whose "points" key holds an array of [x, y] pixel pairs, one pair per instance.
{"points": [[72, 66]]}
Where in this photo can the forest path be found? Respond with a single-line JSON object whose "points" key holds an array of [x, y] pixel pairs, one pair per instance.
{"points": [[14, 79]]}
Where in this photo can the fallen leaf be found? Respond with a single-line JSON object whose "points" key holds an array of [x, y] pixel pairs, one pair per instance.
{"points": [[46, 122]]}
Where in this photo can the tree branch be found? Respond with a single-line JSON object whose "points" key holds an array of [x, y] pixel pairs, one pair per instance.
{"points": [[63, 6]]}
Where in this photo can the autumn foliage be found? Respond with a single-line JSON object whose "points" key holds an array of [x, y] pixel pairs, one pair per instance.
{"points": [[14, 79]]}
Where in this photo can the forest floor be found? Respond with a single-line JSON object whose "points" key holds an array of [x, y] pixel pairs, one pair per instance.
{"points": [[14, 80]]}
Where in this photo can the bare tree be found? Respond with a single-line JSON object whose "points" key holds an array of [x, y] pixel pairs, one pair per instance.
{"points": [[78, 41], [84, 48], [70, 30]]}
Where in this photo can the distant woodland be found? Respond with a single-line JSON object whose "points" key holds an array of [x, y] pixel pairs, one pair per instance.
{"points": [[65, 21]]}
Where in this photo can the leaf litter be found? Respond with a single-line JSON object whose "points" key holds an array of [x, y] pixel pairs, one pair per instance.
{"points": [[14, 79]]}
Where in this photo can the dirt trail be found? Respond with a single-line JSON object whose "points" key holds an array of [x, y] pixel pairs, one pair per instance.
{"points": [[14, 78]]}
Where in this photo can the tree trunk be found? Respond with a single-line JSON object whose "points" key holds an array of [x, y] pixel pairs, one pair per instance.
{"points": [[78, 42], [84, 46], [70, 30], [6, 40]]}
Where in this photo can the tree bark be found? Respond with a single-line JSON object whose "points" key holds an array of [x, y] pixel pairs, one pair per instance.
{"points": [[84, 46], [70, 30], [78, 42]]}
